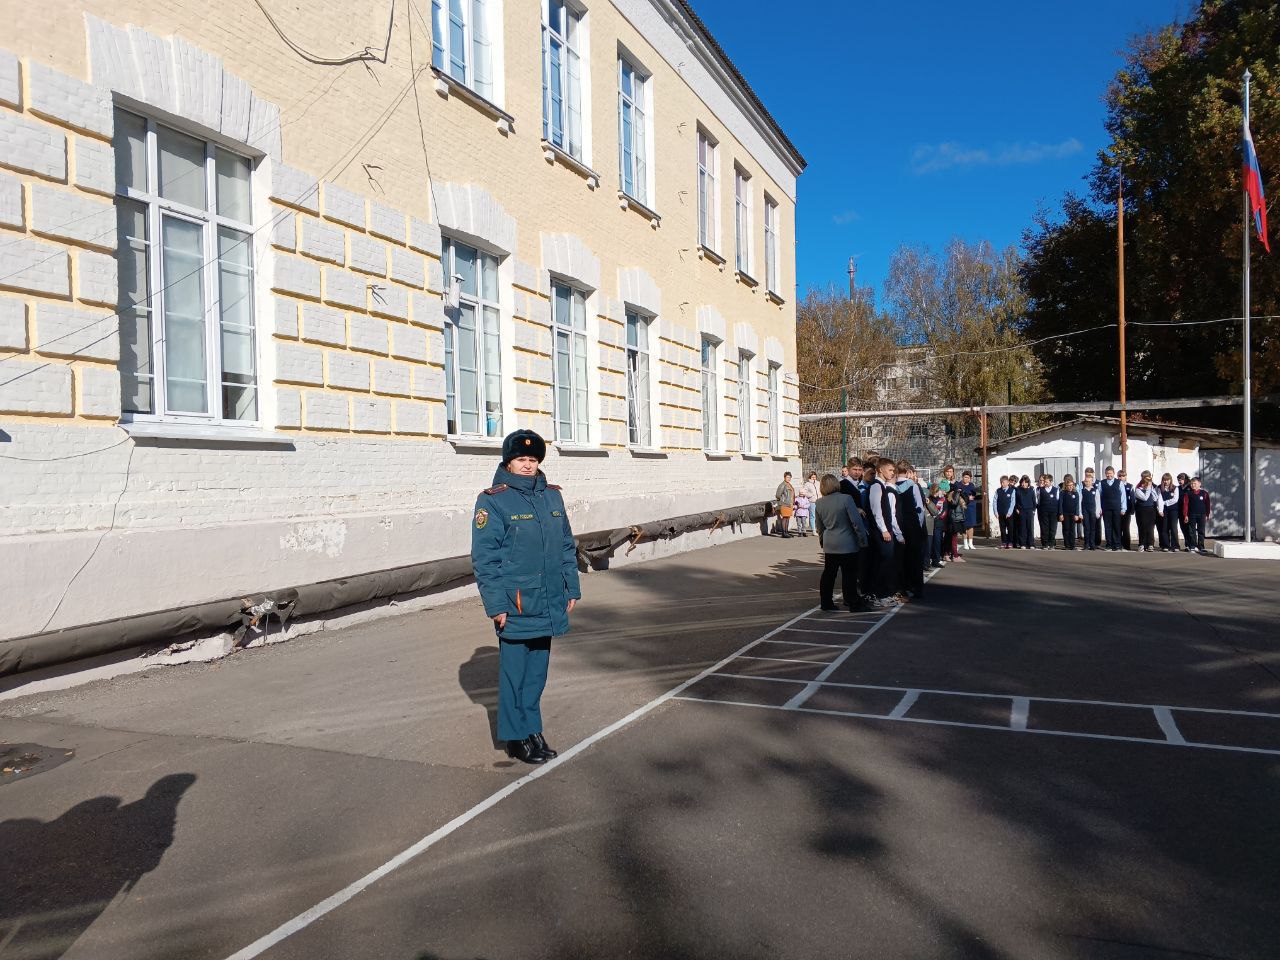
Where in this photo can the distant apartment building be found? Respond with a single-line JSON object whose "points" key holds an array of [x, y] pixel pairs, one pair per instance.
{"points": [[273, 286]]}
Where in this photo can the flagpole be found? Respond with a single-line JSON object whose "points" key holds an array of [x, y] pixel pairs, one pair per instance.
{"points": [[1124, 415], [1246, 462]]}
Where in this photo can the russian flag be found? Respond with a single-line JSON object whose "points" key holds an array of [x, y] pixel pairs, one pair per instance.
{"points": [[1253, 187]]}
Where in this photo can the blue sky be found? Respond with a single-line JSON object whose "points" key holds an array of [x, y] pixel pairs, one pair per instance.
{"points": [[928, 120]]}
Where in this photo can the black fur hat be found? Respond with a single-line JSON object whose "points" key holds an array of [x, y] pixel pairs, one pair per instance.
{"points": [[523, 443]]}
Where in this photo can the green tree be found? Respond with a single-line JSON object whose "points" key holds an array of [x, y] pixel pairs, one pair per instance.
{"points": [[967, 309], [1174, 118]]}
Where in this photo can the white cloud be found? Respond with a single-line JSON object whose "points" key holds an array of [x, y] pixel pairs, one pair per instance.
{"points": [[930, 158], [846, 217]]}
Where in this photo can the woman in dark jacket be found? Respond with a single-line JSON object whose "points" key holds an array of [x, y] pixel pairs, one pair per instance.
{"points": [[840, 535], [526, 566], [1024, 510]]}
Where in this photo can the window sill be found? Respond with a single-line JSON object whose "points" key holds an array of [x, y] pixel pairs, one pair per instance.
{"points": [[717, 455], [581, 449], [447, 85], [628, 202], [551, 153], [752, 456], [204, 432], [647, 452], [486, 444], [706, 253], [774, 297], [748, 279]]}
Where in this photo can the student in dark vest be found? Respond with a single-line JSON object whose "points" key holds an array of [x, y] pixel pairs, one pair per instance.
{"points": [[1170, 514], [1090, 512], [911, 521], [864, 472], [1069, 504], [1002, 503], [1115, 507], [1196, 510], [1024, 513], [1126, 524], [882, 498], [1047, 508], [1184, 484], [1146, 501]]}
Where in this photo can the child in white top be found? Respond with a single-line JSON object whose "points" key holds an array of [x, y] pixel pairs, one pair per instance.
{"points": [[803, 503]]}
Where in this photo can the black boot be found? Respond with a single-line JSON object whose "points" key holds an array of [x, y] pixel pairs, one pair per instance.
{"points": [[540, 742], [525, 750]]}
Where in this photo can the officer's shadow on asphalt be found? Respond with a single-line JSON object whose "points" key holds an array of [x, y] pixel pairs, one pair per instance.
{"points": [[57, 877], [478, 678]]}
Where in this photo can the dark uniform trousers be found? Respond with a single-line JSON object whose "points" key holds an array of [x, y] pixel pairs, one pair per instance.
{"points": [[522, 676]]}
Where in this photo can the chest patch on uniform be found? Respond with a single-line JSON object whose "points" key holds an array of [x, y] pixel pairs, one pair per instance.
{"points": [[556, 513], [482, 517], [522, 516]]}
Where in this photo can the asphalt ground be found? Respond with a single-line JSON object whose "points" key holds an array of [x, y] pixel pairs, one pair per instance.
{"points": [[1052, 755]]}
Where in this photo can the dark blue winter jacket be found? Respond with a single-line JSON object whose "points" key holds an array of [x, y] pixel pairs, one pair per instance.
{"points": [[524, 556]]}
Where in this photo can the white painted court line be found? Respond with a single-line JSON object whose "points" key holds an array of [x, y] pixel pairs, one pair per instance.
{"points": [[813, 686], [1168, 726], [906, 703], [1018, 715], [812, 663], [1192, 744], [308, 917], [806, 643], [833, 633]]}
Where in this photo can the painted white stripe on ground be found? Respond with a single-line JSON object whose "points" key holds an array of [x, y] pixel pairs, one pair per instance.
{"points": [[813, 686], [834, 633], [814, 663], [1192, 744], [807, 643], [1168, 726], [307, 917], [1018, 715], [906, 703]]}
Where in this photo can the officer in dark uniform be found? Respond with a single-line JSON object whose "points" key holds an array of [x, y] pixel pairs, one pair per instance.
{"points": [[526, 566]]}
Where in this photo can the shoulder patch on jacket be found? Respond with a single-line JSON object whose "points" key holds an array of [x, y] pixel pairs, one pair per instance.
{"points": [[498, 489]]}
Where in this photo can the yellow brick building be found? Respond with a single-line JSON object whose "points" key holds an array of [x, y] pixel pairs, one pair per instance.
{"points": [[275, 281]]}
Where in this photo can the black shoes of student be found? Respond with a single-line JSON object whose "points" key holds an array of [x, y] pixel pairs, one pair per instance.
{"points": [[829, 607], [540, 742], [526, 751]]}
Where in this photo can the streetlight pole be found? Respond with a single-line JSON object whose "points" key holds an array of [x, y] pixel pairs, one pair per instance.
{"points": [[1124, 416], [1246, 461]]}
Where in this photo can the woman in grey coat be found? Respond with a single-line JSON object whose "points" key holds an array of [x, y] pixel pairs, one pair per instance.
{"points": [[840, 535]]}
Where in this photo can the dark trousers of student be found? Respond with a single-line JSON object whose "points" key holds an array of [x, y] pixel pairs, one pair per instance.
{"points": [[935, 542], [1126, 531], [914, 553], [1111, 521], [1169, 524], [847, 565], [867, 560], [1048, 529], [1024, 529], [1147, 517], [888, 566], [1006, 531], [1091, 538], [1069, 532], [1195, 533]]}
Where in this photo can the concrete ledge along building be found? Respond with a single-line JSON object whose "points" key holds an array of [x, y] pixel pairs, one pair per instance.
{"points": [[268, 306]]}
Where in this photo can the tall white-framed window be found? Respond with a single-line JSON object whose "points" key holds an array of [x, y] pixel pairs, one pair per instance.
{"points": [[746, 404], [563, 77], [710, 394], [774, 397], [770, 244], [472, 344], [633, 148], [708, 191], [639, 417], [569, 370], [462, 44], [188, 346], [742, 218]]}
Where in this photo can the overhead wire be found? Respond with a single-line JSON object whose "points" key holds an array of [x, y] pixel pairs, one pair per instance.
{"points": [[367, 54]]}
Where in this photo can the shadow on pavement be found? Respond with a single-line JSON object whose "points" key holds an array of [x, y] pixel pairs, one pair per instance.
{"points": [[58, 876], [478, 678]]}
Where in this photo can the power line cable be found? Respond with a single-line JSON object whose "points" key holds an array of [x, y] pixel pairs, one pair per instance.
{"points": [[367, 54]]}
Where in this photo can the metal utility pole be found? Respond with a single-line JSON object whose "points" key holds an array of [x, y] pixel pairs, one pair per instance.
{"points": [[1124, 418], [1246, 461], [853, 271]]}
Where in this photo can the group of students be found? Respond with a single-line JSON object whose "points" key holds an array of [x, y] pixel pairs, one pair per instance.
{"points": [[1098, 513], [880, 529]]}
